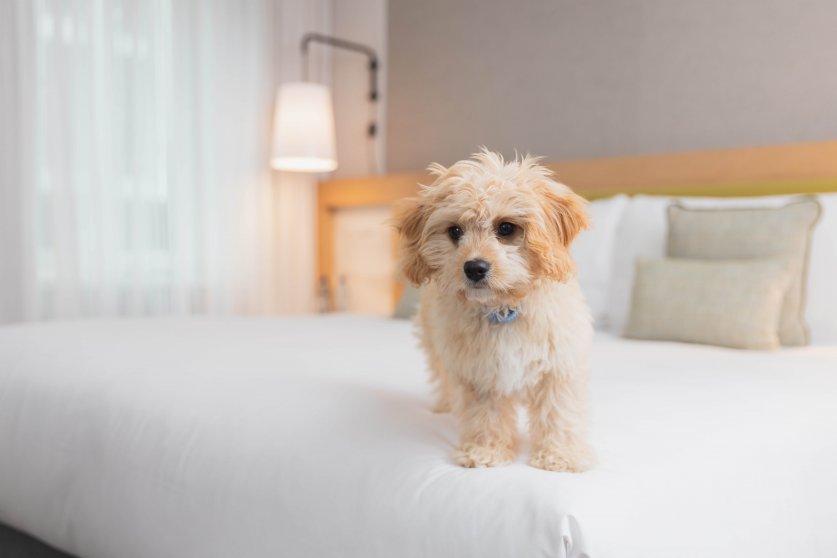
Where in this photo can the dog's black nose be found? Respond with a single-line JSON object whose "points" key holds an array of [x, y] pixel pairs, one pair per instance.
{"points": [[476, 270]]}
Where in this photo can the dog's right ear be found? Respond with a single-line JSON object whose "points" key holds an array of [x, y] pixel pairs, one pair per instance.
{"points": [[410, 216]]}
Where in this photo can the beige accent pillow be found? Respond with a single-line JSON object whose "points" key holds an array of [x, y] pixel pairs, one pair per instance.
{"points": [[743, 233], [733, 303]]}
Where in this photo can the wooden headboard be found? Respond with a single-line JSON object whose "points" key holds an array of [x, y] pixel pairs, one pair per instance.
{"points": [[783, 169]]}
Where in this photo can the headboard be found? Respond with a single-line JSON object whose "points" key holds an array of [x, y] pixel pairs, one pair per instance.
{"points": [[757, 171]]}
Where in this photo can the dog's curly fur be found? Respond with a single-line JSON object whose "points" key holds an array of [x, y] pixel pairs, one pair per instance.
{"points": [[481, 368]]}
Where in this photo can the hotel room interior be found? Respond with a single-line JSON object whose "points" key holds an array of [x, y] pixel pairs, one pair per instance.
{"points": [[206, 349]]}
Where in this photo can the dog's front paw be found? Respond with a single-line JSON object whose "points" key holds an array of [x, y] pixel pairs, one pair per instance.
{"points": [[474, 455], [571, 460]]}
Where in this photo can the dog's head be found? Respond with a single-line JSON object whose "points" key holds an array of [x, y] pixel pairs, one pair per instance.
{"points": [[489, 229]]}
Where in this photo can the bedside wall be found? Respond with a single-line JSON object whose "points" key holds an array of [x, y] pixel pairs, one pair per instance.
{"points": [[568, 79]]}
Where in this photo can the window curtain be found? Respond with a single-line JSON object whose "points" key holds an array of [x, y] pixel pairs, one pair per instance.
{"points": [[136, 180]]}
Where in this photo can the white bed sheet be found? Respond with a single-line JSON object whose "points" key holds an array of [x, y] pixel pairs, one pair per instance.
{"points": [[312, 437]]}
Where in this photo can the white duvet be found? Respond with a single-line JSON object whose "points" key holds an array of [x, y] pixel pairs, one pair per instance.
{"points": [[312, 437]]}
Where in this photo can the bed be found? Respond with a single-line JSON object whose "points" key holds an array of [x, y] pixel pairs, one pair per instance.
{"points": [[313, 436]]}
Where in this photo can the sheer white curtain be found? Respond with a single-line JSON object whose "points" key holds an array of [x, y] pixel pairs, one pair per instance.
{"points": [[138, 182]]}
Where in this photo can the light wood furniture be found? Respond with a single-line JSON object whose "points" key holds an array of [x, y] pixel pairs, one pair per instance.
{"points": [[782, 169]]}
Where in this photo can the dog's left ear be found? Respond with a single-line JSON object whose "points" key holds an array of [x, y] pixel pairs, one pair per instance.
{"points": [[567, 210], [563, 217]]}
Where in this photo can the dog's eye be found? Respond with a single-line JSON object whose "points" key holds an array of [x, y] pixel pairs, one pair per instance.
{"points": [[455, 232], [506, 229]]}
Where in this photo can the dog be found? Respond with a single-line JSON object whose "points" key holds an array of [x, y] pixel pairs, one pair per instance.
{"points": [[502, 318]]}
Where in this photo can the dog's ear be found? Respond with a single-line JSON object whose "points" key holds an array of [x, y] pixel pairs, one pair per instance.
{"points": [[410, 216], [563, 216], [568, 211]]}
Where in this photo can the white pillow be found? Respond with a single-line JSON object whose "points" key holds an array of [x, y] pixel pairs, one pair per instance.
{"points": [[593, 253], [642, 232], [821, 308]]}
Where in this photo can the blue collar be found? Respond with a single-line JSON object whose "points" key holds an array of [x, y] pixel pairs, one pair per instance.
{"points": [[503, 316]]}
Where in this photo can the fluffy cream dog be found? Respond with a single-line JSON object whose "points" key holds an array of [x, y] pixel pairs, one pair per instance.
{"points": [[502, 318]]}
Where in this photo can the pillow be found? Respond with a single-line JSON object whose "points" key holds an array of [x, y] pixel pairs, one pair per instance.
{"points": [[821, 311], [821, 298], [593, 253], [740, 233], [729, 303], [642, 232], [407, 304]]}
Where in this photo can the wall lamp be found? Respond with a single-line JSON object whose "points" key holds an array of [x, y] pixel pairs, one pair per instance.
{"points": [[303, 128]]}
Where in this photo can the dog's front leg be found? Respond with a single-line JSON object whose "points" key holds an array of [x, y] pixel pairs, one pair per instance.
{"points": [[558, 420], [488, 429]]}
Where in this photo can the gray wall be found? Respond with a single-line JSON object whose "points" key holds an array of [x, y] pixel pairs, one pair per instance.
{"points": [[577, 78]]}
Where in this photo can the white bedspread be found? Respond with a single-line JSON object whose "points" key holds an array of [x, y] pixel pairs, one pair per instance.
{"points": [[312, 437]]}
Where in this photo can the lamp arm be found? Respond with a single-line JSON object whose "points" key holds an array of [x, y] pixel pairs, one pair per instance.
{"points": [[336, 42]]}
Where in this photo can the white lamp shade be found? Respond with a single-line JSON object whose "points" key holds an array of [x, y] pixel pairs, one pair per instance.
{"points": [[303, 129]]}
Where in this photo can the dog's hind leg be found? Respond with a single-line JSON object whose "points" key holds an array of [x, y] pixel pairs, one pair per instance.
{"points": [[446, 390], [444, 387]]}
